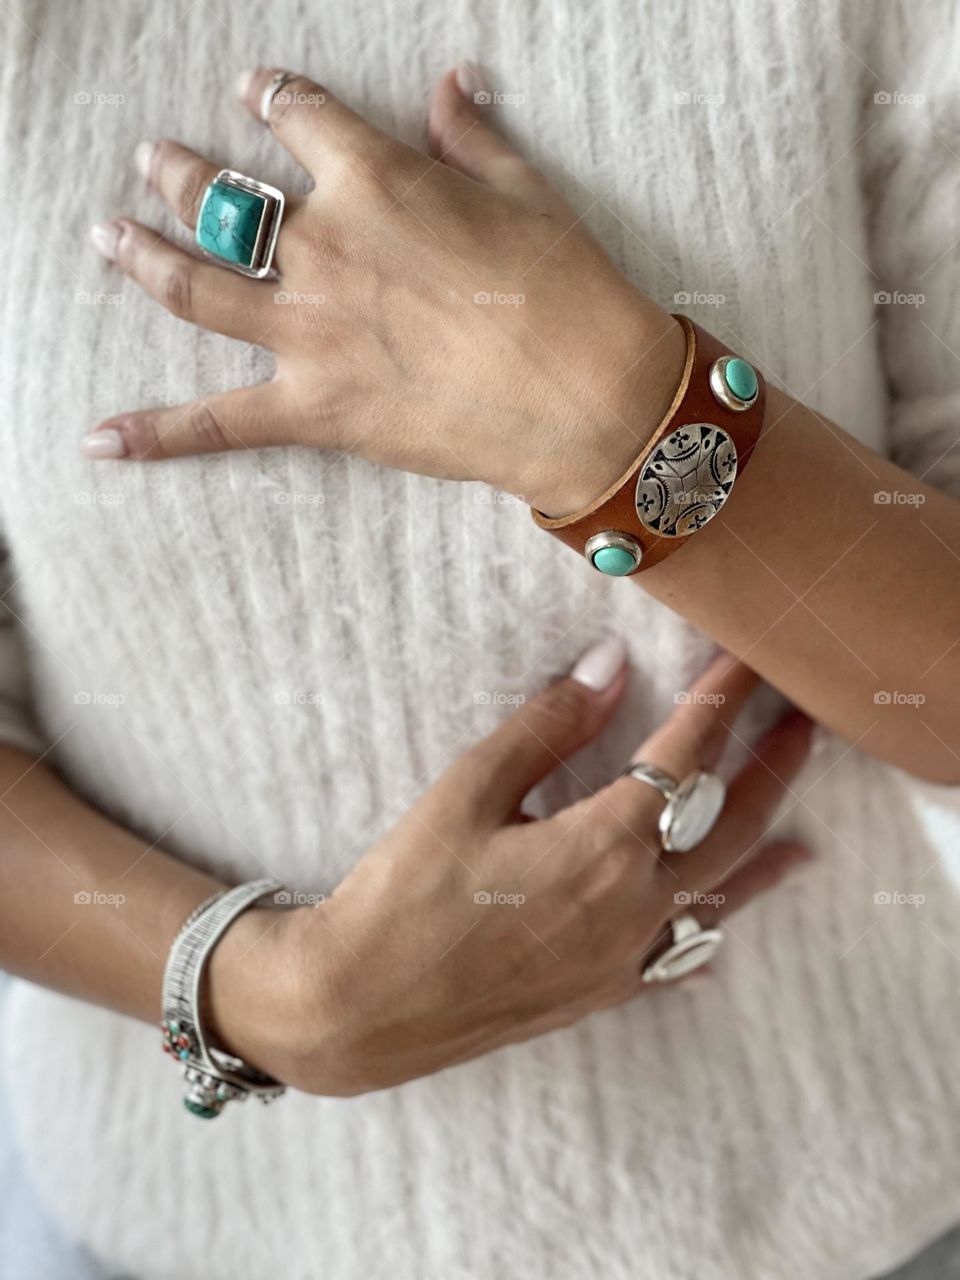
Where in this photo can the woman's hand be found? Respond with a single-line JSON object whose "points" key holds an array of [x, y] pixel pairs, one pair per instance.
{"points": [[449, 316], [468, 928]]}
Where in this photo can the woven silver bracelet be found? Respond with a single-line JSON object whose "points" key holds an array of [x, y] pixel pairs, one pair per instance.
{"points": [[213, 1077]]}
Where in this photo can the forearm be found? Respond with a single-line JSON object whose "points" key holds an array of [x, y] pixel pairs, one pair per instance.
{"points": [[834, 598], [88, 908]]}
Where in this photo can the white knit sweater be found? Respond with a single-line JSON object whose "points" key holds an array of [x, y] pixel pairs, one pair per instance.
{"points": [[792, 1117]]}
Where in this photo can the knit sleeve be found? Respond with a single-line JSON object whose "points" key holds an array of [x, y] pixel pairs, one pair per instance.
{"points": [[911, 142], [17, 723]]}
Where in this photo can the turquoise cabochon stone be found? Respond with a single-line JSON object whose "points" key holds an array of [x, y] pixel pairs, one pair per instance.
{"points": [[229, 221], [741, 378], [613, 560]]}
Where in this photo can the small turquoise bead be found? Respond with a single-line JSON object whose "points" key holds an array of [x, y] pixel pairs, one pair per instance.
{"points": [[198, 1109], [613, 560], [229, 221], [741, 378]]}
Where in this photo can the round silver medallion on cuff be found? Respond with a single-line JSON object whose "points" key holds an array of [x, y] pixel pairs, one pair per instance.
{"points": [[686, 480], [690, 947], [693, 805]]}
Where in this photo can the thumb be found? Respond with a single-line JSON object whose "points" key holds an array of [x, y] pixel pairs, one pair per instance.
{"points": [[500, 770], [247, 418]]}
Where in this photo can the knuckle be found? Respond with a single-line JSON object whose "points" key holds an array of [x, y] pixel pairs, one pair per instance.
{"points": [[293, 97], [176, 289], [565, 702], [608, 872], [206, 429]]}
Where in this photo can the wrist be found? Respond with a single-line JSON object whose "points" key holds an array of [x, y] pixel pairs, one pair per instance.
{"points": [[635, 378], [271, 998], [252, 988]]}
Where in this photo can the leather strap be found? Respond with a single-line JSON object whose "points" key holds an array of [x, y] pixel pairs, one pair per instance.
{"points": [[695, 403]]}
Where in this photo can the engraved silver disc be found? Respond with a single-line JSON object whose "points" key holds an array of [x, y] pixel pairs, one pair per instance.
{"points": [[686, 480]]}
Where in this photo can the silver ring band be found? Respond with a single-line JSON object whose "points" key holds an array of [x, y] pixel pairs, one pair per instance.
{"points": [[270, 92], [664, 783], [690, 947]]}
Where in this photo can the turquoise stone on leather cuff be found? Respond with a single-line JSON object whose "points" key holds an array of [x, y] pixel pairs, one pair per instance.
{"points": [[734, 383], [238, 222], [613, 553]]}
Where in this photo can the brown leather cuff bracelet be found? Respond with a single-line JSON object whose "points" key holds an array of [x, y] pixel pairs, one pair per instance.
{"points": [[685, 473]]}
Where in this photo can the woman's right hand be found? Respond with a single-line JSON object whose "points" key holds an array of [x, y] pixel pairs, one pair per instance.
{"points": [[469, 927]]}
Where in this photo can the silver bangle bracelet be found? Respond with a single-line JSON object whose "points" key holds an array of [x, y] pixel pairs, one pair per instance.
{"points": [[213, 1077]]}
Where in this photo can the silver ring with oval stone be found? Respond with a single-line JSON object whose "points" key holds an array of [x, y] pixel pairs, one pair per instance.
{"points": [[690, 947], [693, 805]]}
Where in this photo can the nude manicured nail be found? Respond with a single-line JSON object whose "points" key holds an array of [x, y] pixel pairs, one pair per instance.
{"points": [[108, 443], [143, 158], [469, 80], [106, 239], [598, 667], [243, 84]]}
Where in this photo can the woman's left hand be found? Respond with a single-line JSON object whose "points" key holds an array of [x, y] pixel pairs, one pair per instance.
{"points": [[449, 316]]}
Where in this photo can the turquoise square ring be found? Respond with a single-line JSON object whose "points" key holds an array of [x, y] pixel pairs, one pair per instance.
{"points": [[239, 222]]}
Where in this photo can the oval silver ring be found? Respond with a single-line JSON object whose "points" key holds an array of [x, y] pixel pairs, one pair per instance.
{"points": [[691, 946], [693, 804]]}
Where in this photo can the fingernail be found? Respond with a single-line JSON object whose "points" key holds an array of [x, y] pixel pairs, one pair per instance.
{"points": [[243, 84], [106, 239], [598, 667], [108, 443], [469, 80], [143, 158]]}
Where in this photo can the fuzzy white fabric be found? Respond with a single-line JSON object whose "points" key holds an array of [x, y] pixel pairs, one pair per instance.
{"points": [[792, 1116]]}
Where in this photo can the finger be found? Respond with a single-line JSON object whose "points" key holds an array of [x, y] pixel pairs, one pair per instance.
{"points": [[692, 738], [190, 288], [249, 417], [313, 124], [178, 174], [763, 871], [499, 771], [462, 135], [752, 805], [767, 868]]}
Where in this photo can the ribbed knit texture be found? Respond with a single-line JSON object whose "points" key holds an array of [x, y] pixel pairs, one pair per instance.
{"points": [[294, 671]]}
